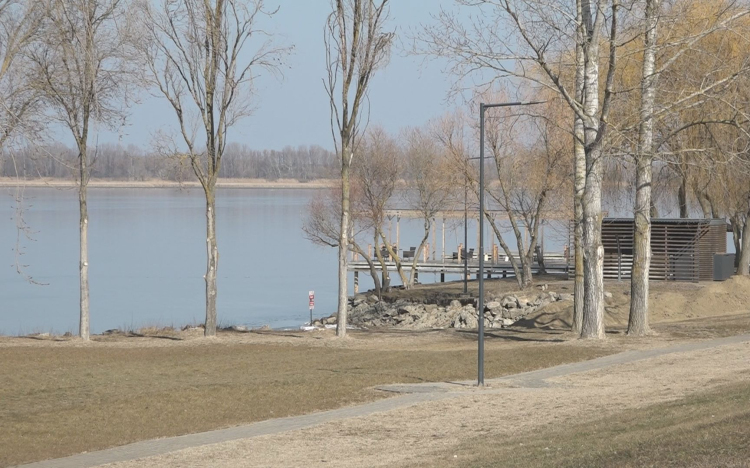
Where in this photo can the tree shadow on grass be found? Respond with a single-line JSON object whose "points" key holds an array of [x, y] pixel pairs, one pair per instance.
{"points": [[544, 321], [514, 335], [46, 338], [158, 337]]}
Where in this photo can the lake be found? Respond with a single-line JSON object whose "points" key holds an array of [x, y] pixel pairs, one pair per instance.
{"points": [[147, 259]]}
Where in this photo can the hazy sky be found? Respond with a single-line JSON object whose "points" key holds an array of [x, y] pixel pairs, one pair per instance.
{"points": [[293, 110]]}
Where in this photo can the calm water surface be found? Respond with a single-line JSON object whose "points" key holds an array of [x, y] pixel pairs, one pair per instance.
{"points": [[147, 260], [148, 256]]}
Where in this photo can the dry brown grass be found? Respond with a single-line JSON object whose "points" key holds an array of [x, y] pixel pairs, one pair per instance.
{"points": [[61, 396], [64, 397]]}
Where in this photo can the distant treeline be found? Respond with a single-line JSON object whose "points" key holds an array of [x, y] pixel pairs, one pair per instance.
{"points": [[130, 162]]}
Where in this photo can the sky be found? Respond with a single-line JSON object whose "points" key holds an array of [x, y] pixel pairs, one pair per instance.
{"points": [[293, 110]]}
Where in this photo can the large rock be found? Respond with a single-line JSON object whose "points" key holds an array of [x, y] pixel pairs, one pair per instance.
{"points": [[493, 306], [509, 302], [367, 312], [358, 299], [466, 319]]}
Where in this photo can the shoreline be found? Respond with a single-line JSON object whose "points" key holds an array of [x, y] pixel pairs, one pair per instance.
{"points": [[143, 184]]}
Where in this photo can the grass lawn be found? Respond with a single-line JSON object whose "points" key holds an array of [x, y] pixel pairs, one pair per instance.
{"points": [[710, 429], [59, 399]]}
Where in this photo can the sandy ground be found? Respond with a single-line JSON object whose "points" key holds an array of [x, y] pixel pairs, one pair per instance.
{"points": [[415, 434], [223, 183]]}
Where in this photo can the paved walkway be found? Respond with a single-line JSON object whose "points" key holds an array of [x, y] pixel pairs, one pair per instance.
{"points": [[408, 394]]}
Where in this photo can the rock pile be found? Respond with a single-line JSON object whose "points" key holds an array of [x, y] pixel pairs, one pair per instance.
{"points": [[366, 311]]}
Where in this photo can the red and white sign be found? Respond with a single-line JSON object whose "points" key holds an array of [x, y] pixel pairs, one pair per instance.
{"points": [[311, 295]]}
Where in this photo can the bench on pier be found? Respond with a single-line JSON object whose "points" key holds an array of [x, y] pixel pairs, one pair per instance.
{"points": [[469, 255], [409, 253]]}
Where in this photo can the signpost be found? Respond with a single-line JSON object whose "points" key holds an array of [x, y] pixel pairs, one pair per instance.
{"points": [[311, 297]]}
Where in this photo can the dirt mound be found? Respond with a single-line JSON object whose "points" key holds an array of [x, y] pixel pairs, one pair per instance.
{"points": [[669, 302]]}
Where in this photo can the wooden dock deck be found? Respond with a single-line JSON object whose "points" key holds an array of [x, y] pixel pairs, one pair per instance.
{"points": [[553, 262]]}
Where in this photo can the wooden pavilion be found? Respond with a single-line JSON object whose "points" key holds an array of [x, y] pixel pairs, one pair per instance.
{"points": [[681, 249]]}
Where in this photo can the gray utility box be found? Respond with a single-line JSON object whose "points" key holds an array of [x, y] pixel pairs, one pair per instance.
{"points": [[723, 266]]}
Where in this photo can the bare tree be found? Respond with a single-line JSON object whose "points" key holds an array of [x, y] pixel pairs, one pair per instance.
{"points": [[357, 44], [322, 228], [713, 18], [540, 35], [84, 68], [199, 60], [532, 176], [374, 179], [20, 26], [432, 183], [638, 320]]}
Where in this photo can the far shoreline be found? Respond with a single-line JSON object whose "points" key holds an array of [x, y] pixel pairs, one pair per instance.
{"points": [[144, 184]]}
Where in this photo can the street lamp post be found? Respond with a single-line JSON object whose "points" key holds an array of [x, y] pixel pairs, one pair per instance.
{"points": [[466, 229], [480, 300]]}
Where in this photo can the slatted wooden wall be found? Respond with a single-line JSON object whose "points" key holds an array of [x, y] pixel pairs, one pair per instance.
{"points": [[681, 249]]}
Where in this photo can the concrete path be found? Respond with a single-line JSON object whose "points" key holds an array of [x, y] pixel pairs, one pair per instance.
{"points": [[408, 395]]}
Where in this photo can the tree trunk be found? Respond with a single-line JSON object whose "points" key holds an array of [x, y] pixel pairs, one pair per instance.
{"points": [[212, 262], [704, 203], [373, 271], [737, 239], [526, 261], [524, 256], [386, 283], [593, 260], [427, 227], [593, 251], [639, 285], [638, 320], [579, 184], [682, 194], [743, 268], [516, 269], [84, 326], [395, 257], [343, 244], [375, 280]]}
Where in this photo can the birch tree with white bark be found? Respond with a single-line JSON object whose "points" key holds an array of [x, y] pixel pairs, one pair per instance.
{"points": [[530, 40], [660, 57]]}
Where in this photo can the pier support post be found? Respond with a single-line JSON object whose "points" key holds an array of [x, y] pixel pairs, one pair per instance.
{"points": [[356, 282], [434, 238], [398, 230], [442, 277], [443, 238]]}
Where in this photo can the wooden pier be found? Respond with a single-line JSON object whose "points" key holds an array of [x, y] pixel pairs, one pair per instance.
{"points": [[556, 263]]}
